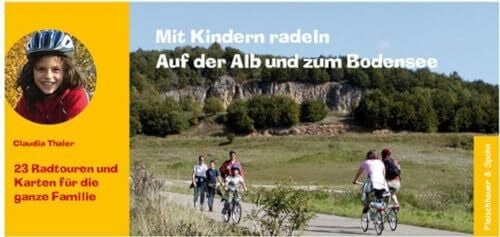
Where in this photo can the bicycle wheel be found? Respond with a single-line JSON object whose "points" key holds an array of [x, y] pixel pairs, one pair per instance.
{"points": [[392, 218], [364, 221], [236, 215], [226, 214], [378, 223]]}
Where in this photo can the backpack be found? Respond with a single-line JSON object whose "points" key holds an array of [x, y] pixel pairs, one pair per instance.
{"points": [[391, 169]]}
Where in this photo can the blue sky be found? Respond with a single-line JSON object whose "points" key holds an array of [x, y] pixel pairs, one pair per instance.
{"points": [[462, 36]]}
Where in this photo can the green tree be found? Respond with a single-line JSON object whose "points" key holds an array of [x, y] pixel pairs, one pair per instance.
{"points": [[426, 116], [403, 115], [444, 103], [373, 110], [215, 51]]}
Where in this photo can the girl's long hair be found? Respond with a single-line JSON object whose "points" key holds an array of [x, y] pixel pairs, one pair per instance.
{"points": [[72, 78], [371, 155]]}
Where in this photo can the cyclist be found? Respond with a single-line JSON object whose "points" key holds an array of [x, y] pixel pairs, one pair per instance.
{"points": [[392, 175], [375, 170], [198, 181], [228, 165], [213, 178], [233, 182]]}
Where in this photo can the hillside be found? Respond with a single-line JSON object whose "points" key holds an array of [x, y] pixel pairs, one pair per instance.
{"points": [[397, 99]]}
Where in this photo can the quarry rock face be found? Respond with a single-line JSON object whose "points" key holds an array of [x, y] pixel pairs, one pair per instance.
{"points": [[338, 97]]}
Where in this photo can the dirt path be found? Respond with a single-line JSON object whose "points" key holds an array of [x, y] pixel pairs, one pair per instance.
{"points": [[321, 224]]}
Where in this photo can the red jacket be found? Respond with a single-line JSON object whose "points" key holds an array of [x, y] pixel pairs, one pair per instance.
{"points": [[55, 109], [225, 169]]}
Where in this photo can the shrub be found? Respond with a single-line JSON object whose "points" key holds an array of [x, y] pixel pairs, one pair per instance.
{"points": [[176, 122], [258, 110], [276, 111], [237, 119], [192, 108], [161, 119], [287, 111], [313, 111], [213, 106], [282, 210]]}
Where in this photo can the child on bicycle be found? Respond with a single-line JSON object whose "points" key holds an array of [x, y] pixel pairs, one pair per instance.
{"points": [[233, 183], [235, 180], [53, 91]]}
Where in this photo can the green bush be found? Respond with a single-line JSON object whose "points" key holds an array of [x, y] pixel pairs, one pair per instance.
{"points": [[287, 111], [313, 111], [282, 210], [161, 119], [237, 119], [177, 122], [213, 106], [275, 111], [192, 109], [262, 112], [258, 109]]}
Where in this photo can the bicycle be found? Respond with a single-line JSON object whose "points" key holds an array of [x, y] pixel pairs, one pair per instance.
{"points": [[232, 206], [376, 213]]}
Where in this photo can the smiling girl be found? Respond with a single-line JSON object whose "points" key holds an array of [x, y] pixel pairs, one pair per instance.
{"points": [[53, 91]]}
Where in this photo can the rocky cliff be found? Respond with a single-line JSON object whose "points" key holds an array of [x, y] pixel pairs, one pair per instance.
{"points": [[339, 97]]}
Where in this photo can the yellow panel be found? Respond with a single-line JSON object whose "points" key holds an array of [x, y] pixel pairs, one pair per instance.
{"points": [[100, 132], [486, 186]]}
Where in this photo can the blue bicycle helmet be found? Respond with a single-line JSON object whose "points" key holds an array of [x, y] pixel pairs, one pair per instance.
{"points": [[50, 42], [236, 167]]}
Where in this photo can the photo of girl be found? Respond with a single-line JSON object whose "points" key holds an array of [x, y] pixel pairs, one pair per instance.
{"points": [[53, 89]]}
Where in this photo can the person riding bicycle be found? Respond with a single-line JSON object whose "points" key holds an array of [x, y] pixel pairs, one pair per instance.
{"points": [[226, 167], [392, 175], [375, 170], [233, 183]]}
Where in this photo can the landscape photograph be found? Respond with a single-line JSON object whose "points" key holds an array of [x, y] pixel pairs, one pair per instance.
{"points": [[299, 134]]}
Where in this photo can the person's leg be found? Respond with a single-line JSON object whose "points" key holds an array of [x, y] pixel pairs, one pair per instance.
{"points": [[210, 197], [395, 199], [366, 202], [394, 186], [202, 194]]}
